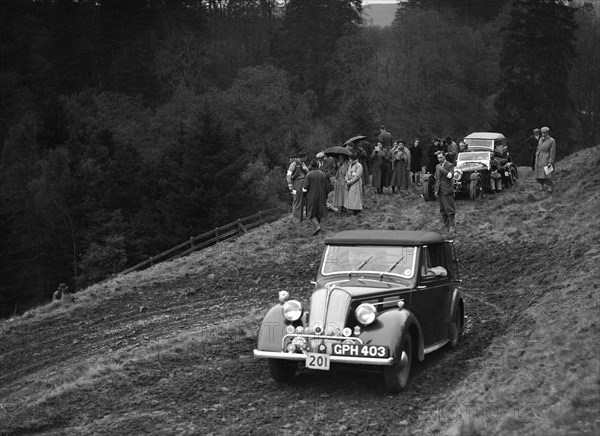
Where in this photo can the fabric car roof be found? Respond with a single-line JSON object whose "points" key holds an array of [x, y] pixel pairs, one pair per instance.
{"points": [[484, 135], [384, 237]]}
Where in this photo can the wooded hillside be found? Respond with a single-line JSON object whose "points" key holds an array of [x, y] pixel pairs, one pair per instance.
{"points": [[128, 126]]}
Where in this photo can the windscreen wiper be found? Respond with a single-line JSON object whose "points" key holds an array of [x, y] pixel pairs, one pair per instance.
{"points": [[361, 265], [394, 265]]}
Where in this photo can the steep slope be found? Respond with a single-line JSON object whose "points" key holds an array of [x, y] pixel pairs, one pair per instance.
{"points": [[168, 350]]}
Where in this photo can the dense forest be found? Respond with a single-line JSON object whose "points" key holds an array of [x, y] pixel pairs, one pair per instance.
{"points": [[127, 126]]}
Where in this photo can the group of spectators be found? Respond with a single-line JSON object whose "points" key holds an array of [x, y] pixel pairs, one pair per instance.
{"points": [[336, 182], [341, 177]]}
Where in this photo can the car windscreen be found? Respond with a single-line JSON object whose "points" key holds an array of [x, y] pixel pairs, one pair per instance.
{"points": [[473, 156], [480, 143], [393, 260]]}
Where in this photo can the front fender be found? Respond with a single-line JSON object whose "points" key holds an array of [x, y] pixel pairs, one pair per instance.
{"points": [[390, 328], [272, 329]]}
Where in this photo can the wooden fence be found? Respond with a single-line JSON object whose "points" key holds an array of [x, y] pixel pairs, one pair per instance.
{"points": [[207, 239]]}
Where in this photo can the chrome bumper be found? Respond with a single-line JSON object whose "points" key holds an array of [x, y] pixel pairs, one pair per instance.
{"points": [[387, 361]]}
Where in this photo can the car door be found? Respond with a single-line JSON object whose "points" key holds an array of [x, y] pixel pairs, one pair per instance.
{"points": [[431, 297]]}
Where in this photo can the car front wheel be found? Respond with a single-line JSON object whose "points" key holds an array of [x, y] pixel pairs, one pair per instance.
{"points": [[282, 371], [428, 187], [513, 176], [396, 376]]}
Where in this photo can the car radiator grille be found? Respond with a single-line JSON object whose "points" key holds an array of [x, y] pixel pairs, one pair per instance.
{"points": [[328, 310]]}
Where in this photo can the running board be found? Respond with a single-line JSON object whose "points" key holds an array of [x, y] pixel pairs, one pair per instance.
{"points": [[436, 346]]}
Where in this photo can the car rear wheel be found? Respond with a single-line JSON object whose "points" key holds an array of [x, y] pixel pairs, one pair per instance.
{"points": [[396, 376], [513, 176], [428, 189], [282, 371], [455, 329], [476, 189]]}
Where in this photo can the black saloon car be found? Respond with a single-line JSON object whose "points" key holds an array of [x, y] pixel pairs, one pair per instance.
{"points": [[382, 298]]}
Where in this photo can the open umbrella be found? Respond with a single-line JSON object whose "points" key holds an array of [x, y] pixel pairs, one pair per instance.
{"points": [[336, 151], [354, 138]]}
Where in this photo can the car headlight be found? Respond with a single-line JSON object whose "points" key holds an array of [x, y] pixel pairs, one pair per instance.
{"points": [[366, 313], [458, 175], [292, 310]]}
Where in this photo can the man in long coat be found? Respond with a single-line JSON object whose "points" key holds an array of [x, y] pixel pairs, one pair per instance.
{"points": [[444, 190], [544, 160], [400, 166], [353, 200], [316, 187], [532, 143], [377, 157]]}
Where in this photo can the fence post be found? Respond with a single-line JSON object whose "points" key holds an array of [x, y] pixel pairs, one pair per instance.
{"points": [[241, 226]]}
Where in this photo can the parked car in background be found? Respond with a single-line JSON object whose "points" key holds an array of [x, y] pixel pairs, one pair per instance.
{"points": [[473, 170], [382, 298]]}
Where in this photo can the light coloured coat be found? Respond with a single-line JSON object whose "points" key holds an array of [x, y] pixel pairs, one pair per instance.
{"points": [[353, 200], [544, 156]]}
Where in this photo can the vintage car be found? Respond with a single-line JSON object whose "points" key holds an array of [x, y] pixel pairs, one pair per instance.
{"points": [[473, 170], [382, 298], [473, 166]]}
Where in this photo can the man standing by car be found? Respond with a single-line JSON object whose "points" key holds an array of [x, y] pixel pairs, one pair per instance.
{"points": [[444, 190], [532, 143], [544, 160]]}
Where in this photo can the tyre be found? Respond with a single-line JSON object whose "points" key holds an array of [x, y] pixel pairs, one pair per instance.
{"points": [[282, 371], [396, 376], [455, 330], [428, 189], [513, 176], [476, 189]]}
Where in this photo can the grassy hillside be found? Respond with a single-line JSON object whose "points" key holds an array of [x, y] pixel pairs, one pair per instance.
{"points": [[168, 350]]}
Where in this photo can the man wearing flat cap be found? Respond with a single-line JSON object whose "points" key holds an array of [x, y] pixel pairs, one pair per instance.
{"points": [[544, 160], [532, 143]]}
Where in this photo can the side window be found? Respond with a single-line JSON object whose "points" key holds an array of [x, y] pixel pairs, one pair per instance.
{"points": [[450, 254], [432, 261]]}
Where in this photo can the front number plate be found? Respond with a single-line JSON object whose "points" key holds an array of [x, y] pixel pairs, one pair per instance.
{"points": [[354, 350], [317, 361]]}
